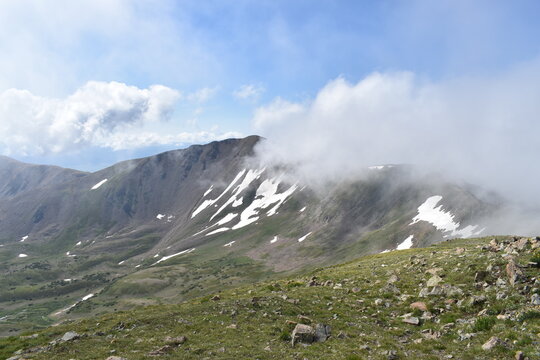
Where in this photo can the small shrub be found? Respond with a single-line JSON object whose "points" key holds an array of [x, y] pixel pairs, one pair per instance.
{"points": [[484, 323]]}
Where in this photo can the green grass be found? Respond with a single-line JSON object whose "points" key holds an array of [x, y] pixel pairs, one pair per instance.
{"points": [[264, 314]]}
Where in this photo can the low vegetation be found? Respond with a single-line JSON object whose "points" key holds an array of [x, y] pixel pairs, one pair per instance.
{"points": [[461, 299]]}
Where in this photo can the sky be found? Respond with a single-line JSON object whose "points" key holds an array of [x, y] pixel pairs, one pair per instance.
{"points": [[450, 84]]}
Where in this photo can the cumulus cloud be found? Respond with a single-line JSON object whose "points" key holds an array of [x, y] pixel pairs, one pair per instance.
{"points": [[482, 130], [248, 92], [122, 141], [92, 115]]}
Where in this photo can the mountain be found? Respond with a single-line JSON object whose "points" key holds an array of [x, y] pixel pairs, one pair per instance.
{"points": [[459, 299], [184, 223]]}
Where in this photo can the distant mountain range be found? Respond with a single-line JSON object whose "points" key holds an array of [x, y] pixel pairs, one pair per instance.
{"points": [[187, 222]]}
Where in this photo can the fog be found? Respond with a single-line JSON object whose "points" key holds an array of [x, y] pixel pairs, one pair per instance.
{"points": [[483, 130]]}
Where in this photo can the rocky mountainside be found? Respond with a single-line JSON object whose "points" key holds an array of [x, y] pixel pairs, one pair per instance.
{"points": [[459, 299], [187, 222]]}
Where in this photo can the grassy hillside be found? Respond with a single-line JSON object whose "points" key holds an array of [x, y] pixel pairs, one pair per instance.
{"points": [[465, 292]]}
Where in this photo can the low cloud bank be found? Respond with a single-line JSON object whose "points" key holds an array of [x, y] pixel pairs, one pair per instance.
{"points": [[483, 130]]}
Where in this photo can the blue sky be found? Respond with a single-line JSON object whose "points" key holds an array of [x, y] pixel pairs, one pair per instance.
{"points": [[220, 63]]}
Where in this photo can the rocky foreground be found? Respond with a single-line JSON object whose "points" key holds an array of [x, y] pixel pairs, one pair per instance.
{"points": [[461, 299]]}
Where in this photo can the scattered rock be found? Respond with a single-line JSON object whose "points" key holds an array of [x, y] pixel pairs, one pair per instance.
{"points": [[434, 281], [477, 300], [116, 358], [519, 355], [419, 305], [393, 278], [460, 251], [232, 326], [322, 332], [161, 351], [491, 343], [411, 320], [216, 298], [69, 336], [391, 354], [480, 276], [303, 334], [513, 272], [175, 340], [535, 299]]}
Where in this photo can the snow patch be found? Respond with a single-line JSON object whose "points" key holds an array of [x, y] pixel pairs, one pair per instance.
{"points": [[226, 219], [72, 306], [406, 244], [229, 244], [173, 255], [442, 220], [217, 231], [99, 184], [274, 240], [121, 262], [23, 255], [304, 237], [208, 191], [303, 209], [265, 196], [248, 179], [207, 203], [160, 216], [78, 244], [24, 238]]}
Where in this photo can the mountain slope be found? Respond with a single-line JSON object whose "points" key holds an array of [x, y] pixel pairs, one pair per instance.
{"points": [[184, 223], [444, 301]]}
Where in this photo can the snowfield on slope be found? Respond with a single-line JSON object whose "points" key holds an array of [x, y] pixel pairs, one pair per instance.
{"points": [[99, 184], [442, 220]]}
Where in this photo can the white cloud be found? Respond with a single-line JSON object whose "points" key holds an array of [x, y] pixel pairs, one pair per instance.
{"points": [[249, 91], [31, 124], [484, 130], [122, 141], [202, 95]]}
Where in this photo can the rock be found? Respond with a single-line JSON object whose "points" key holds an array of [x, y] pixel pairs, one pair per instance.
{"points": [[419, 305], [429, 334], [115, 358], [267, 348], [391, 354], [491, 343], [460, 251], [322, 332], [232, 326], [519, 355], [513, 272], [411, 320], [161, 351], [494, 245], [378, 302], [480, 276], [521, 244], [303, 334], [175, 340], [216, 298], [393, 278], [535, 299], [434, 281], [434, 271], [477, 300], [69, 336]]}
